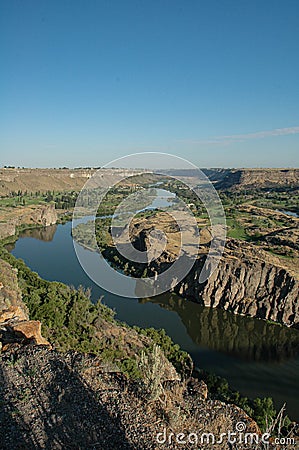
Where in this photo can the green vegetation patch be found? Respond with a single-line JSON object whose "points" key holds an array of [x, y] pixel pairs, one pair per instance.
{"points": [[236, 230], [71, 321]]}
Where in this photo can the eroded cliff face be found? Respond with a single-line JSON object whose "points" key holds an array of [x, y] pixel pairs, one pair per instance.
{"points": [[7, 229], [43, 215], [11, 304], [246, 282]]}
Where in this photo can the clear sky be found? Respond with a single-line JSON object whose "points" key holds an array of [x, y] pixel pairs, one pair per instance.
{"points": [[86, 81]]}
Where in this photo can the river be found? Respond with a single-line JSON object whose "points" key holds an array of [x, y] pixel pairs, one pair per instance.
{"points": [[257, 358]]}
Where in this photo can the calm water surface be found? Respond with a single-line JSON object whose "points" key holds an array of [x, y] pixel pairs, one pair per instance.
{"points": [[257, 358]]}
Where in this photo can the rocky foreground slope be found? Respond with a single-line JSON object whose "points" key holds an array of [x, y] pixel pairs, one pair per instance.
{"points": [[56, 401]]}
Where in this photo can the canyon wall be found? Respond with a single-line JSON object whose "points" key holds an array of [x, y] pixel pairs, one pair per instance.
{"points": [[246, 282], [43, 215], [33, 180], [237, 179]]}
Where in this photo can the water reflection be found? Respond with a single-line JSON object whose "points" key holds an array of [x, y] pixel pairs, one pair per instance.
{"points": [[244, 337], [41, 233]]}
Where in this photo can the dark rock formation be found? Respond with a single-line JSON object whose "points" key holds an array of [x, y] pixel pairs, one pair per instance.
{"points": [[245, 283]]}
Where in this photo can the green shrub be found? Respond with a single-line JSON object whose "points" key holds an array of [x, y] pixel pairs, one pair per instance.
{"points": [[179, 358]]}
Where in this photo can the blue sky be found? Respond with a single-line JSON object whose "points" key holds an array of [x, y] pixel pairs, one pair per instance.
{"points": [[83, 82]]}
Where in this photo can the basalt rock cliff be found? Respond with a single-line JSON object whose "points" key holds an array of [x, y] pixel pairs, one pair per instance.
{"points": [[246, 282]]}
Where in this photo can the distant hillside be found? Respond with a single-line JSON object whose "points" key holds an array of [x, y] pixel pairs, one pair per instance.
{"points": [[237, 179], [33, 180]]}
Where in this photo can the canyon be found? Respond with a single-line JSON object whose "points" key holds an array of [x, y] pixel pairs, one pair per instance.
{"points": [[248, 280]]}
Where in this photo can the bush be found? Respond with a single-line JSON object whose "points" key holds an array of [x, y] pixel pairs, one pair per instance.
{"points": [[151, 366], [180, 359]]}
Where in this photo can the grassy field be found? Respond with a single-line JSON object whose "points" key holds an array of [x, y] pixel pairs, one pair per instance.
{"points": [[22, 201]]}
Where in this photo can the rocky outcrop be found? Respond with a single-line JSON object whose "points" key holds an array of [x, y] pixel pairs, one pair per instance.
{"points": [[11, 305], [15, 326], [246, 283], [247, 280], [44, 215], [7, 229], [26, 332], [41, 215]]}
